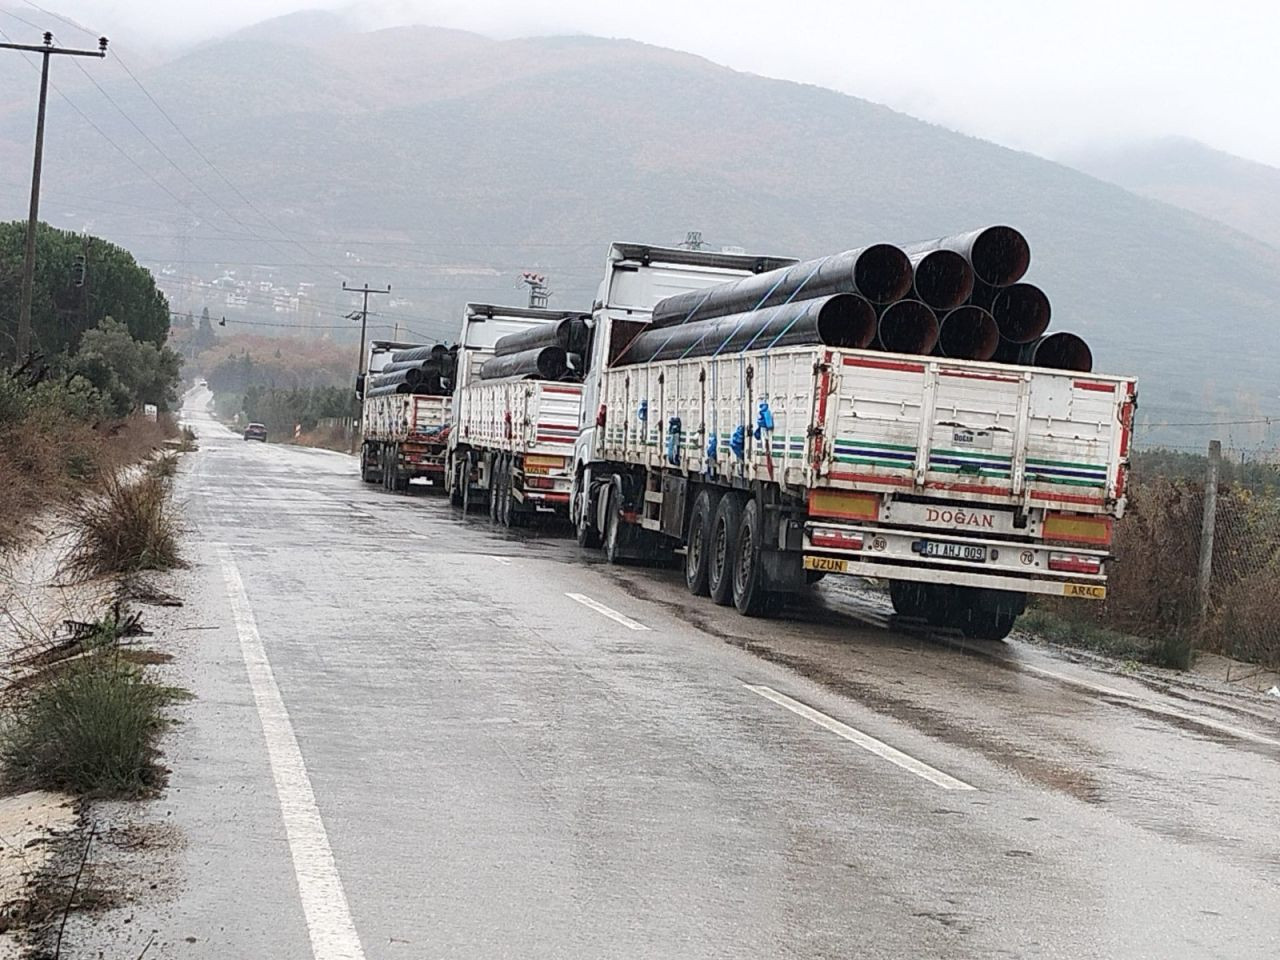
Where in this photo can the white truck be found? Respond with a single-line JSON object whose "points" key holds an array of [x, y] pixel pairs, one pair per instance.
{"points": [[967, 485], [403, 436], [511, 444]]}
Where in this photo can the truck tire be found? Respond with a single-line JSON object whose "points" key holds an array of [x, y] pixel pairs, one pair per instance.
{"points": [[468, 491], [455, 490], [697, 541], [399, 479], [723, 554], [751, 594], [613, 530], [495, 491], [985, 614], [910, 598], [587, 535]]}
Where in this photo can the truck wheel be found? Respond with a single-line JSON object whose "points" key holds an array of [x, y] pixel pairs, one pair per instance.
{"points": [[455, 491], [399, 479], [910, 598], [584, 526], [723, 554], [984, 614], [507, 507], [751, 594], [988, 624], [495, 490], [613, 532], [697, 543], [468, 491]]}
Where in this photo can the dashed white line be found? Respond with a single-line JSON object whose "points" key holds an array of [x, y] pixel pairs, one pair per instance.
{"points": [[863, 740], [324, 902], [609, 612]]}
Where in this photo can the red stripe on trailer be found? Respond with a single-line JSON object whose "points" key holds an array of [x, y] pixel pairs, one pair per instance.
{"points": [[569, 391], [969, 488], [872, 478], [552, 438], [1092, 385], [824, 386], [966, 375], [1067, 498], [884, 364]]}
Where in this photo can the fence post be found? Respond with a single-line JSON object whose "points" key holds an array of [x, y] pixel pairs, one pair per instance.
{"points": [[1207, 525]]}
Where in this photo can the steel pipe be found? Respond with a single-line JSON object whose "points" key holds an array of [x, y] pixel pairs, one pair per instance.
{"points": [[999, 255], [942, 278], [880, 273], [1059, 351], [570, 333], [968, 333], [420, 353], [907, 326], [840, 320], [546, 363], [1022, 311]]}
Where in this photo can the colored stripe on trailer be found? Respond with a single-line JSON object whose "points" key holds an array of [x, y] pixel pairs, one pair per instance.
{"points": [[899, 365]]}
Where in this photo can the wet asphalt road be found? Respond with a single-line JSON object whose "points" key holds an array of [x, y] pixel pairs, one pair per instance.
{"points": [[501, 770]]}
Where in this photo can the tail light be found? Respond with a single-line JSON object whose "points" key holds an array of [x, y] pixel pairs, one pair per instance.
{"points": [[835, 539], [600, 415], [1075, 563], [539, 483]]}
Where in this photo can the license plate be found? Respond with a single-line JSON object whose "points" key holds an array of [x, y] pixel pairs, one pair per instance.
{"points": [[1090, 591], [826, 564], [954, 551]]}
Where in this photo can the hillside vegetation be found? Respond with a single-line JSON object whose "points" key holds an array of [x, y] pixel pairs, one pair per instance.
{"points": [[457, 161]]}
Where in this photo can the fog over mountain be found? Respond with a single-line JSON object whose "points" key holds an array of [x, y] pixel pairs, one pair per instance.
{"points": [[444, 162]]}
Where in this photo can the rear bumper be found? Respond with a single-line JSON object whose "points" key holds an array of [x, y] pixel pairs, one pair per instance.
{"points": [[895, 554]]}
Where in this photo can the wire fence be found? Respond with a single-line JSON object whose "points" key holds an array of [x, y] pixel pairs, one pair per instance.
{"points": [[1159, 586]]}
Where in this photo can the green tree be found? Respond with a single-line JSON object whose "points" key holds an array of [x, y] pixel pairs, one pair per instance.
{"points": [[64, 306], [126, 372]]}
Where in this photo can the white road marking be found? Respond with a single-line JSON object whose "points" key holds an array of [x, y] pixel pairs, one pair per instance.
{"points": [[324, 903], [609, 612], [505, 561], [1154, 706], [863, 740]]}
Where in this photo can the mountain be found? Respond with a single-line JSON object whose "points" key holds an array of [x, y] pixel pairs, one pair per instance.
{"points": [[444, 163], [1186, 173]]}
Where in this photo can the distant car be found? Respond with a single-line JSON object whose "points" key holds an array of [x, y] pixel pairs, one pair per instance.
{"points": [[255, 431]]}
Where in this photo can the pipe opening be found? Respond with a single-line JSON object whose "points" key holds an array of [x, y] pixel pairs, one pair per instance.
{"points": [[1000, 255], [908, 326], [882, 273], [968, 333], [847, 321], [943, 279], [1022, 312], [1062, 351]]}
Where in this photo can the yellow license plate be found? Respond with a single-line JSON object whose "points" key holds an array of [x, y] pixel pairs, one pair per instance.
{"points": [[1089, 591], [826, 564]]}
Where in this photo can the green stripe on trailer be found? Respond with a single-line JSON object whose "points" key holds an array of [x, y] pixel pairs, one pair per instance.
{"points": [[859, 442], [867, 461], [1068, 464]]}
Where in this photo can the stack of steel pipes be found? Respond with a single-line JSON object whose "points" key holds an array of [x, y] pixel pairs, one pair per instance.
{"points": [[959, 297], [548, 351], [424, 370]]}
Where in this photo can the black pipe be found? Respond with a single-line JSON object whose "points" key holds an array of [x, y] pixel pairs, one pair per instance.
{"points": [[881, 273], [968, 333], [547, 363], [388, 391], [420, 353], [1059, 351], [999, 255], [907, 326], [1022, 310], [840, 320], [432, 363], [568, 333], [942, 278]]}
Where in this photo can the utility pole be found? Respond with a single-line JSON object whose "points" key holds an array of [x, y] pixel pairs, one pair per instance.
{"points": [[46, 50], [364, 323], [1207, 523]]}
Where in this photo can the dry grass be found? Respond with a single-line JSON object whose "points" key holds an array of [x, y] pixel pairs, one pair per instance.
{"points": [[129, 525], [89, 724], [47, 461]]}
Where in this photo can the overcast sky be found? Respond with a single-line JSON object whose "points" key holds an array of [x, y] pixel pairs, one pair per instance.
{"points": [[1044, 76]]}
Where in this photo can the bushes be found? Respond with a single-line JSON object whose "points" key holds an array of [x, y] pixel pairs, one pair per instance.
{"points": [[130, 526], [89, 728]]}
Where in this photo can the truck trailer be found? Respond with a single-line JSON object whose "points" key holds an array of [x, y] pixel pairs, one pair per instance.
{"points": [[967, 485], [403, 436], [512, 440]]}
